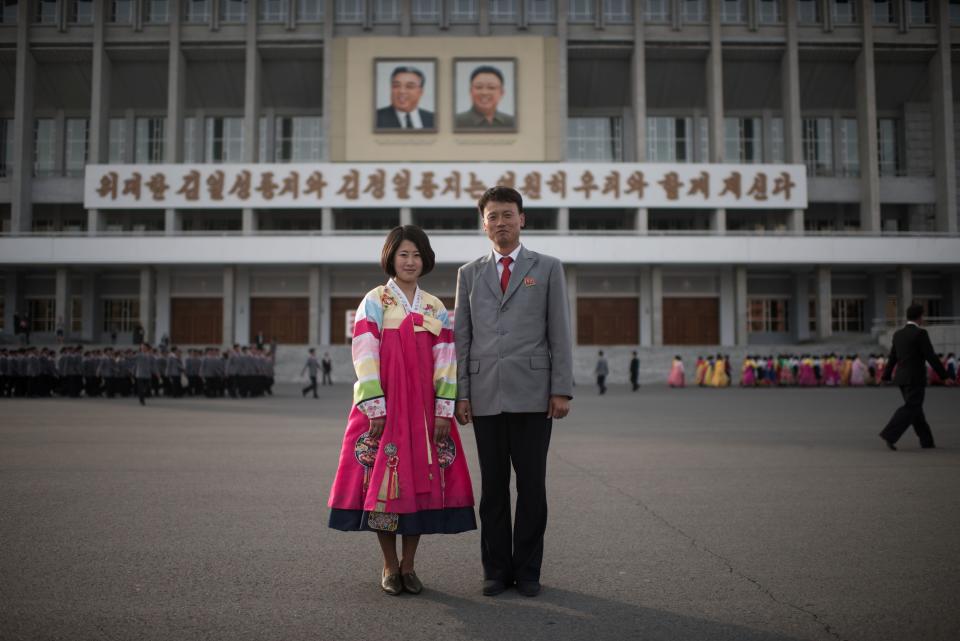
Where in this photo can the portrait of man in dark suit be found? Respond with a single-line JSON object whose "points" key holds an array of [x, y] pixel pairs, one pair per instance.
{"points": [[409, 96]]}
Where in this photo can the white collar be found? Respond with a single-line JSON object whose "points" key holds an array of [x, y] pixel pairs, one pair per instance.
{"points": [[912, 323], [414, 118], [513, 255], [407, 307]]}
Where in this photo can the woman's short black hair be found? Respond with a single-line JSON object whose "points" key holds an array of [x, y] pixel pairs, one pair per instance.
{"points": [[416, 236]]}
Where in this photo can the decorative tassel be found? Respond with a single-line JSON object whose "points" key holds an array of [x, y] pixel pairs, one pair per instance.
{"points": [[393, 483]]}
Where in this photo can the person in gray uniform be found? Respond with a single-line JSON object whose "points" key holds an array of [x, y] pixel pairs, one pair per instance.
{"points": [[232, 374], [143, 372], [312, 366], [221, 371], [129, 372], [191, 367], [160, 372], [268, 364], [174, 372]]}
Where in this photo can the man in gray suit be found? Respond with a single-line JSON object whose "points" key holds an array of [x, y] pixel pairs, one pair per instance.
{"points": [[514, 376], [143, 369]]}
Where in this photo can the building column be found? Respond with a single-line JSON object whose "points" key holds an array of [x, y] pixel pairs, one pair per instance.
{"points": [[176, 91], [800, 309], [146, 303], [638, 73], [313, 306], [329, 13], [251, 93], [99, 136], [728, 307], [406, 216], [91, 332], [21, 183], [572, 294], [715, 127], [740, 286], [172, 222], [163, 301], [242, 331], [62, 307], [563, 33], [877, 301], [646, 307], [326, 313], [11, 303], [790, 99], [866, 91], [904, 291], [944, 154], [248, 224], [563, 220], [656, 304], [228, 288], [326, 221], [642, 221], [824, 296]]}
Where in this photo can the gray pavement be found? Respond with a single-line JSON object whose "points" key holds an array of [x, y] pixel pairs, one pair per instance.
{"points": [[734, 514]]}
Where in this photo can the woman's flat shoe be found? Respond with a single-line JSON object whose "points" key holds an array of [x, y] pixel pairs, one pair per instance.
{"points": [[392, 584], [412, 584]]}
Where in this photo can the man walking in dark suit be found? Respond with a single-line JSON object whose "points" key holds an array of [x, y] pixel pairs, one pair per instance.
{"points": [[312, 366], [910, 352], [514, 377]]}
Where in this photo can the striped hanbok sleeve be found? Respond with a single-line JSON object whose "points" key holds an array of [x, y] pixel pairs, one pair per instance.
{"points": [[367, 325], [444, 366]]}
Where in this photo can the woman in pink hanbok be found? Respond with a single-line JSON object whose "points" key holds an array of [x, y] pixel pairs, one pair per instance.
{"points": [[402, 469], [748, 372], [807, 376], [676, 377], [830, 377], [858, 372]]}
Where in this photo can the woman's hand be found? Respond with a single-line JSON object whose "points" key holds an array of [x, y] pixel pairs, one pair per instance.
{"points": [[376, 426], [441, 429]]}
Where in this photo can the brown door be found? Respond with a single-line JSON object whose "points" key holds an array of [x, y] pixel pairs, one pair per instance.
{"points": [[608, 321], [338, 318], [285, 320], [691, 321], [196, 321]]}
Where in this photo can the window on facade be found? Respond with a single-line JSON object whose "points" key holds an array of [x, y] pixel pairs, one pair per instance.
{"points": [[844, 11], [3, 315], [426, 11], [618, 11], [888, 145], [669, 139], [658, 11], [595, 139], [121, 314], [223, 140], [117, 141], [158, 11], [602, 219], [6, 147], [121, 11], [768, 315], [920, 12], [744, 140], [847, 314], [236, 10], [818, 146], [808, 11], [44, 146], [76, 314], [695, 11], [192, 142], [350, 11], [777, 149], [955, 12], [768, 11], [733, 11], [299, 139], [503, 11], [463, 11], [273, 11], [8, 12], [581, 11], [849, 148], [310, 10], [386, 11], [883, 12], [45, 12], [81, 11], [76, 146], [541, 11], [148, 140], [198, 11], [43, 314], [358, 219]]}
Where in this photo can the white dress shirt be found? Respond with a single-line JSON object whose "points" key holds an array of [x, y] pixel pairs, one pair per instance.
{"points": [[414, 117], [513, 255]]}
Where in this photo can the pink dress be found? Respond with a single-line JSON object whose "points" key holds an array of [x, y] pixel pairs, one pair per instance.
{"points": [[676, 377], [406, 367], [858, 373]]}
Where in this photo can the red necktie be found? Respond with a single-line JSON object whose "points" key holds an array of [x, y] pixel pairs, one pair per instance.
{"points": [[505, 276]]}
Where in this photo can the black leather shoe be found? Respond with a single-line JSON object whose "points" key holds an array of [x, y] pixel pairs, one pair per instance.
{"points": [[528, 588], [493, 587], [889, 444], [392, 584], [412, 583]]}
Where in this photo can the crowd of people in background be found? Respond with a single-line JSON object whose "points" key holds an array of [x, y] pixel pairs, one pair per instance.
{"points": [[798, 370], [144, 371]]}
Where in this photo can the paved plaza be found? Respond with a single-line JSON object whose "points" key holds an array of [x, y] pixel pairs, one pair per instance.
{"points": [[734, 514]]}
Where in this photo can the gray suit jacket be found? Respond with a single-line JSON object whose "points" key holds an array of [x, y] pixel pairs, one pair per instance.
{"points": [[514, 349]]}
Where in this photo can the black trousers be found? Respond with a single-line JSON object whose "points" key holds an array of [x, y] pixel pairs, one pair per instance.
{"points": [[910, 413], [312, 387], [520, 439], [143, 388], [635, 381], [602, 384], [326, 379]]}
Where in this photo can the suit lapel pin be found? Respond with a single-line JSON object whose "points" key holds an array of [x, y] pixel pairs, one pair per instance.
{"points": [[529, 281]]}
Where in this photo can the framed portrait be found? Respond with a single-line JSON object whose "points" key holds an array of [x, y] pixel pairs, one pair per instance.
{"points": [[485, 95], [405, 95]]}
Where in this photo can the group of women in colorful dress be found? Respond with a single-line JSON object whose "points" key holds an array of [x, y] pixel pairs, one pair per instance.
{"points": [[799, 370]]}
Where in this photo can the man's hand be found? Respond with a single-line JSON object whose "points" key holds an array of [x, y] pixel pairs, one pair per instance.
{"points": [[441, 430], [463, 413], [376, 426], [559, 407]]}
